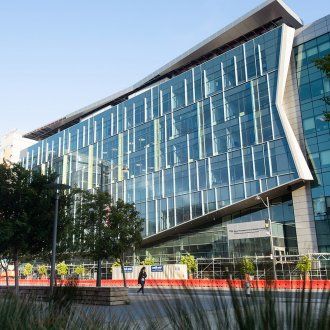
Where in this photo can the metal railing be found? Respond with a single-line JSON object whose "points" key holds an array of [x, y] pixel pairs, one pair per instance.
{"points": [[285, 267], [213, 268]]}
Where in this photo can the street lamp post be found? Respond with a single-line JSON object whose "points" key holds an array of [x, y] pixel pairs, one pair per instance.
{"points": [[57, 188], [267, 205], [53, 261], [99, 260]]}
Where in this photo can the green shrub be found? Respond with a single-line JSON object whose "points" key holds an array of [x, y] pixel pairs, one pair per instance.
{"points": [[304, 265], [79, 270], [190, 261], [62, 268], [116, 264], [42, 270], [246, 266], [148, 261], [27, 270]]}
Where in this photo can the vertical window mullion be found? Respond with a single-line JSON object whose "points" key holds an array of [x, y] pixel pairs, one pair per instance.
{"points": [[270, 107], [229, 178], [185, 92], [260, 60], [174, 195], [171, 99], [193, 84], [253, 162], [242, 154], [245, 65], [235, 71], [161, 102]]}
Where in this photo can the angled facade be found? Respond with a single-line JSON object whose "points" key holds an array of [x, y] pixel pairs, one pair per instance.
{"points": [[222, 150]]}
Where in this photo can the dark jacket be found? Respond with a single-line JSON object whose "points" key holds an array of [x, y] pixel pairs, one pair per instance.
{"points": [[142, 277]]}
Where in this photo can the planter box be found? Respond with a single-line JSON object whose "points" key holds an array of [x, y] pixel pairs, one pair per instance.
{"points": [[81, 295]]}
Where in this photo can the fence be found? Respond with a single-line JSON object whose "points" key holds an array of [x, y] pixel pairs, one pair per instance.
{"points": [[217, 268], [284, 265]]}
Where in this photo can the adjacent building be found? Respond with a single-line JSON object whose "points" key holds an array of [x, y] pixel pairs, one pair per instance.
{"points": [[224, 150], [11, 145]]}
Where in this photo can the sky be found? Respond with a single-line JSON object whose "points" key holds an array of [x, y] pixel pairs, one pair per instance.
{"points": [[59, 56]]}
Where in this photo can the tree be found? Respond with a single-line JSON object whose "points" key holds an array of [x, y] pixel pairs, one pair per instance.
{"points": [[123, 231], [116, 263], [191, 263], [62, 268], [91, 225], [42, 270], [4, 264], [27, 211], [148, 261], [27, 270], [79, 270], [304, 266], [246, 266], [14, 192], [103, 228], [323, 64]]}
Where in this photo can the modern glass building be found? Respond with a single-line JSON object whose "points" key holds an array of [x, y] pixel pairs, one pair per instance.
{"points": [[313, 86], [223, 150]]}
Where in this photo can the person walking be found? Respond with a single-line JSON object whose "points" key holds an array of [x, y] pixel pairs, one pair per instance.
{"points": [[248, 287], [142, 279]]}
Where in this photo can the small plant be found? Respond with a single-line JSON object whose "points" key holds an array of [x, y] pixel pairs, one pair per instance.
{"points": [[116, 264], [148, 261], [62, 268], [28, 268], [191, 263], [42, 270], [247, 266], [79, 270], [304, 265]]}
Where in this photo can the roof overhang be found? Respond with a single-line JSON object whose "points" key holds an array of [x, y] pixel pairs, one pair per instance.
{"points": [[269, 11], [212, 218]]}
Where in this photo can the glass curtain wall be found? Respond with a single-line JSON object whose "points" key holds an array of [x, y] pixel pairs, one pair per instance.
{"points": [[212, 242], [313, 86], [200, 141]]}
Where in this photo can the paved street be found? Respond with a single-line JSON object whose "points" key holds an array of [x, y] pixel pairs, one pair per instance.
{"points": [[160, 303]]}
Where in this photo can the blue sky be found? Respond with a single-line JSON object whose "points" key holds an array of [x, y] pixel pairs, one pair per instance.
{"points": [[58, 56]]}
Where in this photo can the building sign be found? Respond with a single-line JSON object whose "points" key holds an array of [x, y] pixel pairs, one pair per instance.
{"points": [[128, 269], [158, 268], [251, 229], [156, 272]]}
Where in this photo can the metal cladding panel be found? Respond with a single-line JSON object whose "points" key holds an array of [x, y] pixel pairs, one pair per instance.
{"points": [[284, 62]]}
